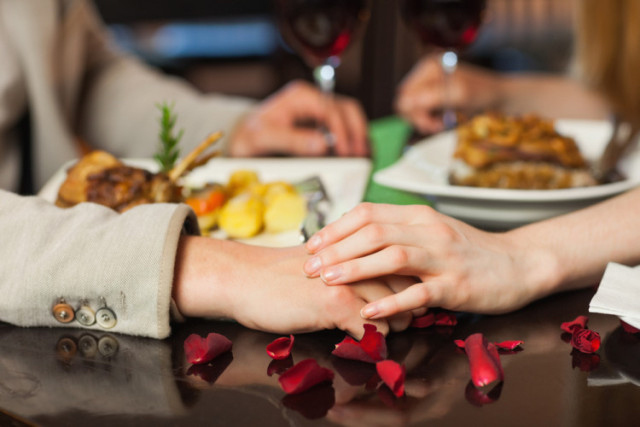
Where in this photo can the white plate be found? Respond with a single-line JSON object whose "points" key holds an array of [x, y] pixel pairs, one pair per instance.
{"points": [[344, 179], [424, 169]]}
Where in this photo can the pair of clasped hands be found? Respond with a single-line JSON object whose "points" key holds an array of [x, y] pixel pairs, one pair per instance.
{"points": [[379, 264]]}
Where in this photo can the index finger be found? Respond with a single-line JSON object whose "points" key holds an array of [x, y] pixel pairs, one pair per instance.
{"points": [[360, 216]]}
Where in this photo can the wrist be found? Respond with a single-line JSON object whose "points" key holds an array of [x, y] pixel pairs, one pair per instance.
{"points": [[201, 271], [538, 265]]}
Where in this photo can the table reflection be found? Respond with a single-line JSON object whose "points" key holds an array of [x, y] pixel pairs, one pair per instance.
{"points": [[55, 376]]}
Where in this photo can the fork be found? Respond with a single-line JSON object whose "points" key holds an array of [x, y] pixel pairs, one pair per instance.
{"points": [[318, 203], [624, 135]]}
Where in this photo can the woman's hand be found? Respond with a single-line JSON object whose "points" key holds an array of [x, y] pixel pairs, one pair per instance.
{"points": [[264, 289], [274, 126], [459, 267], [421, 96]]}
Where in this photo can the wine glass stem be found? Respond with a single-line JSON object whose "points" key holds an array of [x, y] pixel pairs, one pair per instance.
{"points": [[449, 63], [325, 77]]}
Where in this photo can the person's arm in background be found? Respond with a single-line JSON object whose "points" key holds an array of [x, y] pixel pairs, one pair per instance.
{"points": [[460, 267], [119, 110], [421, 94], [133, 263]]}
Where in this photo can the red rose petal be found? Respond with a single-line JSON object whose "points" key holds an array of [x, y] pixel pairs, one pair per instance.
{"points": [[202, 350], [446, 319], [280, 348], [279, 366], [373, 382], [579, 322], [313, 403], [354, 372], [585, 340], [211, 371], [585, 362], [508, 345], [304, 375], [423, 321], [628, 328], [478, 397], [392, 373], [372, 347], [484, 361]]}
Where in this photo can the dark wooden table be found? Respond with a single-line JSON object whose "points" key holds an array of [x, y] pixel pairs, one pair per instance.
{"points": [[75, 377]]}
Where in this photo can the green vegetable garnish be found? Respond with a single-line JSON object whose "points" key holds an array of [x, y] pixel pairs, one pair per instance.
{"points": [[168, 152]]}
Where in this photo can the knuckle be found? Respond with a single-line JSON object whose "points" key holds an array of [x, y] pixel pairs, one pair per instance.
{"points": [[375, 233], [421, 294], [364, 212], [424, 211], [398, 256]]}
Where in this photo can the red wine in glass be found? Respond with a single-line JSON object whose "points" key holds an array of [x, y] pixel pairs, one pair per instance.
{"points": [[451, 25], [319, 31]]}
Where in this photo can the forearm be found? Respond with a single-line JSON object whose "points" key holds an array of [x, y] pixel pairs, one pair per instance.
{"points": [[553, 96], [198, 286], [579, 245]]}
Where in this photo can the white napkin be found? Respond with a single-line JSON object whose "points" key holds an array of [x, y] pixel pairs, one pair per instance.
{"points": [[619, 293]]}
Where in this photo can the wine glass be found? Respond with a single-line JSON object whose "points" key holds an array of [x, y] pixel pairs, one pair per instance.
{"points": [[319, 31], [450, 25]]}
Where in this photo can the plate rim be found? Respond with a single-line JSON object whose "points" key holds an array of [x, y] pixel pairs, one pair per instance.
{"points": [[446, 190]]}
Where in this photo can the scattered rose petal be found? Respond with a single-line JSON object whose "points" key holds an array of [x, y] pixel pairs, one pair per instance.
{"points": [[313, 403], [202, 350], [280, 348], [354, 372], [628, 328], [579, 322], [392, 373], [504, 347], [279, 366], [211, 371], [423, 321], [373, 383], [566, 337], [304, 375], [509, 345], [390, 400], [484, 361], [585, 362], [446, 319], [585, 340], [477, 397], [372, 347]]}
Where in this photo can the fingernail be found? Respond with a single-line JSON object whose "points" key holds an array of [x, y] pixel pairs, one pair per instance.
{"points": [[331, 274], [313, 243], [312, 265], [369, 311]]}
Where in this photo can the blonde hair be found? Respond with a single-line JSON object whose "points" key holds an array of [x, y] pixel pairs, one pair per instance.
{"points": [[608, 52]]}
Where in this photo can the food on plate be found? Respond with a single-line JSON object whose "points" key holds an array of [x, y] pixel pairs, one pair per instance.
{"points": [[257, 206], [526, 152], [242, 208], [284, 211], [100, 177], [242, 216], [206, 203]]}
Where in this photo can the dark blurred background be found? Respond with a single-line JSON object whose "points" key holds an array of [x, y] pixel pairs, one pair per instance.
{"points": [[234, 47]]}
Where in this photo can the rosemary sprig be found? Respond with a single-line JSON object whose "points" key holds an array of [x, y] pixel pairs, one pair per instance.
{"points": [[168, 151]]}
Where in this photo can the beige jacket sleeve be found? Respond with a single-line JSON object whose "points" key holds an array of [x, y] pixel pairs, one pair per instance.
{"points": [[89, 255]]}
